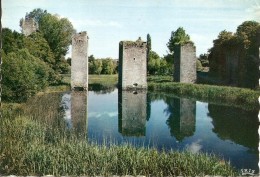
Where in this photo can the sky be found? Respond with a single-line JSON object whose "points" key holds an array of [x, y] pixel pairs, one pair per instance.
{"points": [[108, 22]]}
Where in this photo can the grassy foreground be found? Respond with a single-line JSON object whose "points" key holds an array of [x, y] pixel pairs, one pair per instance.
{"points": [[34, 147]]}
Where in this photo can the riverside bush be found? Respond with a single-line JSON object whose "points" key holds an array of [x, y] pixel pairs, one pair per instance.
{"points": [[23, 75]]}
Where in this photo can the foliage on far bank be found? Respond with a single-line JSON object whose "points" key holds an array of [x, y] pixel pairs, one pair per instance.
{"points": [[232, 95], [102, 66]]}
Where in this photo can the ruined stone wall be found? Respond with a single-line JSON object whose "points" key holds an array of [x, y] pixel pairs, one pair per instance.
{"points": [[79, 61], [132, 64], [185, 63], [28, 26], [132, 108]]}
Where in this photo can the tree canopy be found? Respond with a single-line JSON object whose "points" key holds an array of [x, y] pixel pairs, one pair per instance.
{"points": [[57, 32], [233, 59], [177, 37], [23, 75]]}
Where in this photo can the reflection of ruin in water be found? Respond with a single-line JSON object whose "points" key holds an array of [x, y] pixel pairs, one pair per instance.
{"points": [[235, 124], [132, 107], [75, 108], [182, 117]]}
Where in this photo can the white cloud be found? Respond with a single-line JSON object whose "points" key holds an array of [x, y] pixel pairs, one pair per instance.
{"points": [[255, 11], [194, 147], [101, 114]]}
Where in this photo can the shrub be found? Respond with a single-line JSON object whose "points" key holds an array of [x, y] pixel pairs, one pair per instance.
{"points": [[23, 75]]}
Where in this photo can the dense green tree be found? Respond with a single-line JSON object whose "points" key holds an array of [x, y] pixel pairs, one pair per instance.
{"points": [[35, 44], [103, 66], [199, 66], [247, 32], [203, 58], [91, 58], [37, 14], [62, 66], [153, 63], [58, 33], [177, 37], [23, 75], [234, 57], [95, 67], [149, 42], [108, 66], [12, 40], [38, 47], [169, 58]]}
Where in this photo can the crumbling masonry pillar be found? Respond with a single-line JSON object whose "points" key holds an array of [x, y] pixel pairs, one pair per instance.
{"points": [[28, 25], [79, 61], [132, 65], [185, 63]]}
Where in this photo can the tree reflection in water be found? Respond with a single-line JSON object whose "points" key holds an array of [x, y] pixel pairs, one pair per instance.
{"points": [[235, 124]]}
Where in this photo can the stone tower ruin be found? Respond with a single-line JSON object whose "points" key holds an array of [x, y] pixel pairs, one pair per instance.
{"points": [[185, 63], [79, 61], [132, 65], [28, 25]]}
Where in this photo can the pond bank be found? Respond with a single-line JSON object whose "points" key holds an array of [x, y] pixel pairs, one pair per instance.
{"points": [[219, 94]]}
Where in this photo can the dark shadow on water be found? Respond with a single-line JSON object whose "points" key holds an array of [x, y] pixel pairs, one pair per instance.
{"points": [[235, 124], [101, 89]]}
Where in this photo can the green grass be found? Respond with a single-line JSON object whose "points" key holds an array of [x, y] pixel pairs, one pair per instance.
{"points": [[30, 147], [159, 79], [220, 94], [105, 80]]}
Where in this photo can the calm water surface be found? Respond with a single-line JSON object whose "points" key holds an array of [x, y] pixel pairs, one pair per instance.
{"points": [[165, 122]]}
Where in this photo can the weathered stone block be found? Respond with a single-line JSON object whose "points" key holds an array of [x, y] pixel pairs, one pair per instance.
{"points": [[132, 64], [185, 63], [28, 26], [79, 61]]}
